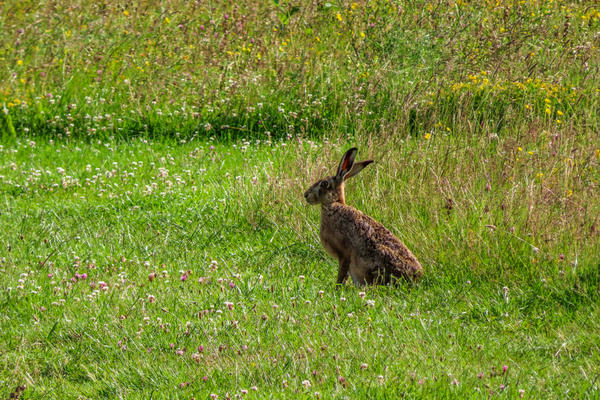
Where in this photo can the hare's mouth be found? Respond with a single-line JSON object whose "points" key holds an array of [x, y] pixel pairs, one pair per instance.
{"points": [[310, 198]]}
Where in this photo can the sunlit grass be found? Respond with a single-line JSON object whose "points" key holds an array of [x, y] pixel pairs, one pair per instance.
{"points": [[154, 241], [257, 69], [138, 267]]}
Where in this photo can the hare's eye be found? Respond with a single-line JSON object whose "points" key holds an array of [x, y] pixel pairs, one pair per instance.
{"points": [[324, 184]]}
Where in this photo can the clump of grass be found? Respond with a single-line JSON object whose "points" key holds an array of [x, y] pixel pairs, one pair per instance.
{"points": [[275, 69]]}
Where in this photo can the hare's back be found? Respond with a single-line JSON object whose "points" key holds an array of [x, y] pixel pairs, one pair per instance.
{"points": [[373, 241]]}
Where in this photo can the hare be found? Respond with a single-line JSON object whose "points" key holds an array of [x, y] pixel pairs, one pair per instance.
{"points": [[363, 246]]}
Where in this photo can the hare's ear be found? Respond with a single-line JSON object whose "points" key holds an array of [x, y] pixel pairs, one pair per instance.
{"points": [[357, 167], [346, 163]]}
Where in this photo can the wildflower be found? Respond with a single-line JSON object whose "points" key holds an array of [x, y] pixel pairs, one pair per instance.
{"points": [[306, 383], [362, 295], [364, 366], [184, 277], [339, 17], [427, 136], [151, 298], [504, 369], [200, 349]]}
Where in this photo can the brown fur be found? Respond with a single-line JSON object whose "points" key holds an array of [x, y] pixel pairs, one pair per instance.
{"points": [[365, 249]]}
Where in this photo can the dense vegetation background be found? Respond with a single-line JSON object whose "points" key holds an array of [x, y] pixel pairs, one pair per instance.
{"points": [[154, 242]]}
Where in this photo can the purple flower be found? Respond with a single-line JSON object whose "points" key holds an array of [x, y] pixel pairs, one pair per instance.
{"points": [[504, 369], [184, 277]]}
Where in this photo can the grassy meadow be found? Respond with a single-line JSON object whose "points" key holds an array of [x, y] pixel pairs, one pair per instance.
{"points": [[155, 243]]}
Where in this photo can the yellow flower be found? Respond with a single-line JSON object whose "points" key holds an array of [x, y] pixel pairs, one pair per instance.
{"points": [[519, 148], [597, 153], [569, 193], [362, 34], [167, 20], [19, 62], [559, 112], [427, 136], [339, 17], [126, 13], [530, 153]]}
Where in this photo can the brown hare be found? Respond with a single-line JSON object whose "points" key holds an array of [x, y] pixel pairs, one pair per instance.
{"points": [[363, 246]]}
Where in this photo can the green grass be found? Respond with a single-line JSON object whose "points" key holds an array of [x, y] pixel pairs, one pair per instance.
{"points": [[488, 298], [254, 69], [163, 152]]}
